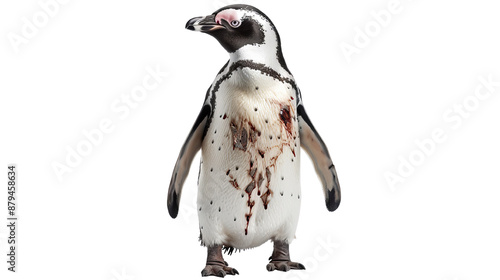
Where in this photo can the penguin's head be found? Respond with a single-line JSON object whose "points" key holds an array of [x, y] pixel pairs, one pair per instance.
{"points": [[241, 29]]}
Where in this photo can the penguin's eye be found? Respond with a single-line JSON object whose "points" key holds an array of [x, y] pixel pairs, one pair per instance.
{"points": [[235, 23]]}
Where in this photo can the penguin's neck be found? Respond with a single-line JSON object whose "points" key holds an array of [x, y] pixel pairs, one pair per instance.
{"points": [[257, 55], [266, 57]]}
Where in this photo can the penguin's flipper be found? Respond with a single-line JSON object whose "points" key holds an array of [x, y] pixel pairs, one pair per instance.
{"points": [[181, 170], [317, 150]]}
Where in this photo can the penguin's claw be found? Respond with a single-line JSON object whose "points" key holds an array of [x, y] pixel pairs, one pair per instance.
{"points": [[284, 265], [218, 270]]}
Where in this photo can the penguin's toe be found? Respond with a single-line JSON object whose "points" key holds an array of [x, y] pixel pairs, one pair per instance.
{"points": [[232, 271], [218, 270], [221, 273], [270, 267], [284, 266], [300, 266], [206, 271]]}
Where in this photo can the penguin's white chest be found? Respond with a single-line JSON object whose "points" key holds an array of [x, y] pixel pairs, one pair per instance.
{"points": [[249, 184]]}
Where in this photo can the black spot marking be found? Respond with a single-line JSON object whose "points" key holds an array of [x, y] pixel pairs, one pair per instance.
{"points": [[227, 173], [211, 170], [199, 209], [261, 153], [256, 88], [282, 178], [219, 148], [281, 193], [211, 202], [237, 168], [255, 109], [219, 209], [270, 137], [235, 219]]}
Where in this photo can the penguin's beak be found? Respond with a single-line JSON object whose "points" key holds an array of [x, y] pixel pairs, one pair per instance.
{"points": [[203, 24]]}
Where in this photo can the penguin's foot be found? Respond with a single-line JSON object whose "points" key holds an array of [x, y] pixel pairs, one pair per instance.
{"points": [[284, 265], [280, 259], [216, 266], [218, 269]]}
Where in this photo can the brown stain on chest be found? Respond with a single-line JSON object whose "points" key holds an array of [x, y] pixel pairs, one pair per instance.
{"points": [[245, 136], [286, 118], [239, 136], [234, 183], [249, 189]]}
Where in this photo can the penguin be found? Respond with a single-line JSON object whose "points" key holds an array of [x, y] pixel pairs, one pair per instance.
{"points": [[250, 130]]}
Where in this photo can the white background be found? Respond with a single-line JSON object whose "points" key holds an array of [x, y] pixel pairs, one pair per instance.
{"points": [[108, 219]]}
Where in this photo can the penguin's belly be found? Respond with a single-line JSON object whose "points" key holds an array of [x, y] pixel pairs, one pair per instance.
{"points": [[249, 184]]}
